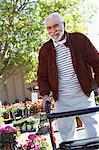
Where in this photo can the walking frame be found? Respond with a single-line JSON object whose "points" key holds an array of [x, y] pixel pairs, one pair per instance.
{"points": [[82, 144]]}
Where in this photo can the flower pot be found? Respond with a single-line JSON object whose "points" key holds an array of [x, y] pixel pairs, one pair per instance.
{"points": [[7, 116], [24, 127], [35, 127], [29, 127], [8, 146]]}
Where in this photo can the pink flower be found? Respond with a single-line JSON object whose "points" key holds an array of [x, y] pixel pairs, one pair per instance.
{"points": [[36, 146], [25, 146], [32, 137], [9, 129], [30, 144]]}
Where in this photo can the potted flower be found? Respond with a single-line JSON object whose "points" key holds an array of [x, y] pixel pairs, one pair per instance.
{"points": [[9, 109], [27, 108], [19, 124], [6, 112], [32, 123], [36, 107], [35, 142], [20, 108], [7, 137]]}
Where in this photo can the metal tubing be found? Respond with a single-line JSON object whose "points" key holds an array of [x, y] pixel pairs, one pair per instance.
{"points": [[72, 113]]}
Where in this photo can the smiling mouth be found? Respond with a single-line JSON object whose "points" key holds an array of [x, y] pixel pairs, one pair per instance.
{"points": [[55, 35]]}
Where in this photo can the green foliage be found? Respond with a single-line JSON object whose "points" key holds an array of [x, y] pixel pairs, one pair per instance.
{"points": [[18, 38], [97, 100], [22, 31], [29, 120], [19, 123], [69, 9]]}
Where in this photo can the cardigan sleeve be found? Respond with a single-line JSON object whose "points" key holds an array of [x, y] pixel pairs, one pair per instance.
{"points": [[42, 73], [92, 56]]}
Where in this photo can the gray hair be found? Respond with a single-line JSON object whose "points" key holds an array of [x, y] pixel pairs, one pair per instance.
{"points": [[54, 15]]}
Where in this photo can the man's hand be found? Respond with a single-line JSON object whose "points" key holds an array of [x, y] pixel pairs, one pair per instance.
{"points": [[96, 92], [45, 98]]}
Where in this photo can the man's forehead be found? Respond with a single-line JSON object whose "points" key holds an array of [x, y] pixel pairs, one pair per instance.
{"points": [[52, 21]]}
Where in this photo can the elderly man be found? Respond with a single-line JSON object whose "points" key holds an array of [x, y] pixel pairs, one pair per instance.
{"points": [[65, 67]]}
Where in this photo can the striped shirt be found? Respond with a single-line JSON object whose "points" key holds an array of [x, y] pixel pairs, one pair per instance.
{"points": [[67, 78]]}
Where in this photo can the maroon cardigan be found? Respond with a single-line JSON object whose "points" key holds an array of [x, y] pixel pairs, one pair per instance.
{"points": [[84, 57]]}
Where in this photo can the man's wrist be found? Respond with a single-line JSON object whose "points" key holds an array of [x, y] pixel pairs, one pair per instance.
{"points": [[46, 98]]}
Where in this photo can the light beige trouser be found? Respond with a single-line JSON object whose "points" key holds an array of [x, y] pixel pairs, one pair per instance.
{"points": [[67, 126]]}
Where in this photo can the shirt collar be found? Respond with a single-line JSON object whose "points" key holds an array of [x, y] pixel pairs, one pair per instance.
{"points": [[60, 42]]}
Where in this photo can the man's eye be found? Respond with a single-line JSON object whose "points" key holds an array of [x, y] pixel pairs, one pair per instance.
{"points": [[48, 28], [56, 25]]}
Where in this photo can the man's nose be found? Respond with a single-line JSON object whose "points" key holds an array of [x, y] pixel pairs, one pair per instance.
{"points": [[52, 30]]}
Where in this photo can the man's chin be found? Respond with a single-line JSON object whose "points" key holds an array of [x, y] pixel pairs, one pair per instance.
{"points": [[56, 39]]}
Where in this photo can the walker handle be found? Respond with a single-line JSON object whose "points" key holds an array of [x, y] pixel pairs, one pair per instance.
{"points": [[72, 113], [48, 107]]}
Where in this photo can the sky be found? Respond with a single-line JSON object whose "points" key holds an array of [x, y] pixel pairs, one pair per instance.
{"points": [[93, 28]]}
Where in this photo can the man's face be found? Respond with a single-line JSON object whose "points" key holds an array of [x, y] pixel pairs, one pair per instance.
{"points": [[55, 28]]}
